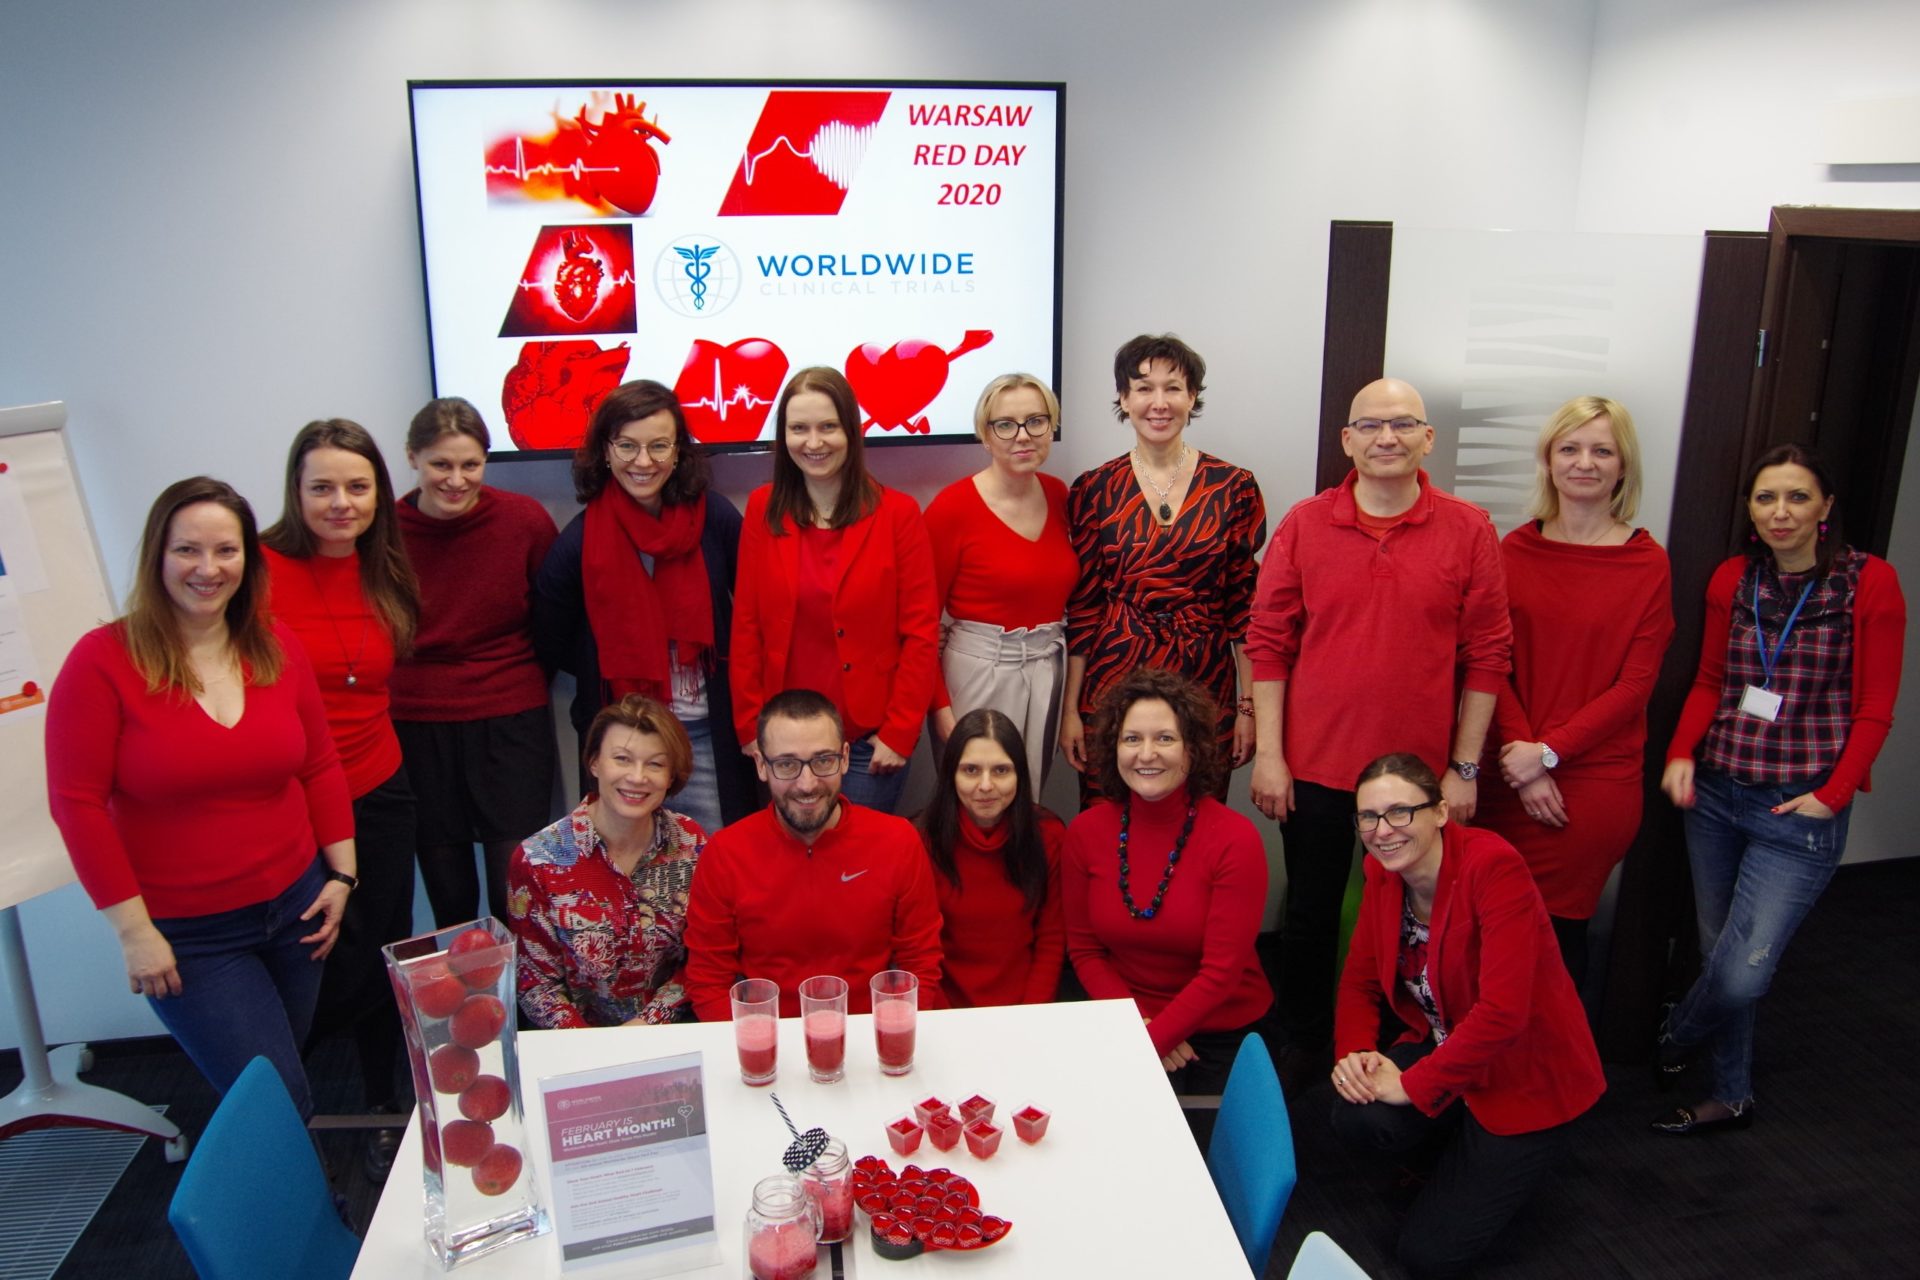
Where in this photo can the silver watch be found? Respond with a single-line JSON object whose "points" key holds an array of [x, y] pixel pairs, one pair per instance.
{"points": [[1549, 758]]}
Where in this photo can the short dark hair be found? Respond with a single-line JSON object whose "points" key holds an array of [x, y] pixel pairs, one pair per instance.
{"points": [[1403, 765], [1148, 347], [642, 714], [797, 704], [1024, 855], [1193, 708], [447, 416], [630, 402], [1796, 455]]}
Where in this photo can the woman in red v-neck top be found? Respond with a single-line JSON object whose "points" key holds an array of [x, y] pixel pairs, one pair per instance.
{"points": [[343, 585], [1003, 566]]}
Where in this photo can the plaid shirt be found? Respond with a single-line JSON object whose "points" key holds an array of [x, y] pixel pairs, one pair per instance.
{"points": [[598, 948], [1813, 676]]}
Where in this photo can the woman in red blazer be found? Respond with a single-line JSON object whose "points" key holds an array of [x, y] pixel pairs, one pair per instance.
{"points": [[1454, 938], [835, 591]]}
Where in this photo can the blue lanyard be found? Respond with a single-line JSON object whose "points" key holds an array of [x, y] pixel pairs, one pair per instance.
{"points": [[1767, 660]]}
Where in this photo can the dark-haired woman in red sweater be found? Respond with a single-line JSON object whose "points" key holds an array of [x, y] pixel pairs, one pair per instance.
{"points": [[1163, 885], [470, 702], [996, 861]]}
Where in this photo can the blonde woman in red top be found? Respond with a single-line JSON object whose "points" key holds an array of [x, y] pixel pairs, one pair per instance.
{"points": [[1003, 566], [343, 585], [1591, 600]]}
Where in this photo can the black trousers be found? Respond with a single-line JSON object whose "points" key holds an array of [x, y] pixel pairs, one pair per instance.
{"points": [[1319, 842], [1481, 1181]]}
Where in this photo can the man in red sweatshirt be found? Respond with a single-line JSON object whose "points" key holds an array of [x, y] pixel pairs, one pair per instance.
{"points": [[813, 884], [1379, 624]]}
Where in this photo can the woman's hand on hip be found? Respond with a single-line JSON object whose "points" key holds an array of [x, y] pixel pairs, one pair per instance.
{"points": [[1807, 805], [1677, 782], [150, 966], [330, 905], [885, 759]]}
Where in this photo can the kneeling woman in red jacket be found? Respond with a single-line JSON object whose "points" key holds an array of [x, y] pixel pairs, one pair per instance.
{"points": [[1454, 938]]}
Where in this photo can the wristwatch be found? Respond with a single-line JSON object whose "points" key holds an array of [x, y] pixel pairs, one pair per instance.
{"points": [[352, 882], [1549, 758], [1467, 769]]}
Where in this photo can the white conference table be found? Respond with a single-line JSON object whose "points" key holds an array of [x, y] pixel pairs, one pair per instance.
{"points": [[1116, 1188]]}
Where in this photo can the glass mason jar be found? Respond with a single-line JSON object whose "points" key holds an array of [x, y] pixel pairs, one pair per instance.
{"points": [[829, 1181], [456, 989], [783, 1228]]}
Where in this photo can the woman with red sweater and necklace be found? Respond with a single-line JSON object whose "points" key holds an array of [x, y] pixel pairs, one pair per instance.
{"points": [[343, 586], [1591, 599], [996, 859], [1163, 885], [470, 702]]}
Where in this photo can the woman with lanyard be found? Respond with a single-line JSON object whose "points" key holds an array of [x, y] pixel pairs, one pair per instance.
{"points": [[1799, 669]]}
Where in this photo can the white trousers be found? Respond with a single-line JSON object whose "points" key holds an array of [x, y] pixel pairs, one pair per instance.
{"points": [[1019, 673]]}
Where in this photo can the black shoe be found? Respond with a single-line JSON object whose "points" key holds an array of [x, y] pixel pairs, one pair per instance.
{"points": [[377, 1157], [1681, 1121]]}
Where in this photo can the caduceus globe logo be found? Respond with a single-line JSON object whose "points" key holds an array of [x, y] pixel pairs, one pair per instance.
{"points": [[697, 276]]}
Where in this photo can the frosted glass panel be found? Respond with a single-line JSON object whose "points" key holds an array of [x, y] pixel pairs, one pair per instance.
{"points": [[1499, 328]]}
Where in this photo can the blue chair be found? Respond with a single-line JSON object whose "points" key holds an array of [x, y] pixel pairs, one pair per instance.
{"points": [[1251, 1152], [254, 1201], [1321, 1259]]}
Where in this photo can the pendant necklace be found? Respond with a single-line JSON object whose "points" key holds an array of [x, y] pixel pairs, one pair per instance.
{"points": [[1166, 508], [334, 624], [1152, 909]]}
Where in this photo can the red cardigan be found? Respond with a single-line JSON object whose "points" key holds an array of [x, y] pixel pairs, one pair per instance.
{"points": [[993, 950], [1519, 1050], [886, 618]]}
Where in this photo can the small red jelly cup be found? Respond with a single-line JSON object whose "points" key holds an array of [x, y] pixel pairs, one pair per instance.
{"points": [[927, 1108], [944, 1130], [1030, 1123], [904, 1134], [976, 1107], [983, 1138]]}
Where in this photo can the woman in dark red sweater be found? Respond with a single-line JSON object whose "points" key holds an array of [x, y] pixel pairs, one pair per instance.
{"points": [[343, 586], [470, 702], [1164, 886], [996, 858], [1799, 671], [1454, 940], [192, 776]]}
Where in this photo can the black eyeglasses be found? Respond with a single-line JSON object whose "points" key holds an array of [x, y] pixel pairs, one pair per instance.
{"points": [[787, 768], [1401, 815], [1038, 425], [1399, 426], [628, 450]]}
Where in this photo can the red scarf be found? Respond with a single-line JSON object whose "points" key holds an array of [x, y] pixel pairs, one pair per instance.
{"points": [[634, 615]]}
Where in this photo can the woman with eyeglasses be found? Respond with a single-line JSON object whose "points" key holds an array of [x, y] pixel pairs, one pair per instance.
{"points": [[1495, 1059], [636, 596], [1003, 566], [1165, 536], [836, 591]]}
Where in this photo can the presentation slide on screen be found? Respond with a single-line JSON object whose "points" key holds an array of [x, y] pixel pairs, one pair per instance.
{"points": [[718, 237]]}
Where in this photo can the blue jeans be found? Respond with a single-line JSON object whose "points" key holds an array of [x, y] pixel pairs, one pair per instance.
{"points": [[1756, 874], [874, 791], [700, 798], [247, 987]]}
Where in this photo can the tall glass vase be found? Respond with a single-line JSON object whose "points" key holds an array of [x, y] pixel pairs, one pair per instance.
{"points": [[456, 993]]}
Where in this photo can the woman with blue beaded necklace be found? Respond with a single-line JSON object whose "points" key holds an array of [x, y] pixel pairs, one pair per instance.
{"points": [[1163, 885]]}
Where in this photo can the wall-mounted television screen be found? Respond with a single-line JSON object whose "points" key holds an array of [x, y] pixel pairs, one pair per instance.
{"points": [[717, 236]]}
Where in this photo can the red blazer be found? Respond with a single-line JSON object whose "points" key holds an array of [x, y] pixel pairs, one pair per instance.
{"points": [[1519, 1050], [886, 618]]}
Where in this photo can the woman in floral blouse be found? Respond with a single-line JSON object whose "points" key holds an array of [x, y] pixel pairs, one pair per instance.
{"points": [[599, 899]]}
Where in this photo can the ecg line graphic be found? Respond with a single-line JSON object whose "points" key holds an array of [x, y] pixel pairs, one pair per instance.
{"points": [[531, 286], [835, 151], [519, 170], [721, 401]]}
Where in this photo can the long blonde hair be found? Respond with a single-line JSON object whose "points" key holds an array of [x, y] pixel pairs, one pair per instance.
{"points": [[1568, 418]]}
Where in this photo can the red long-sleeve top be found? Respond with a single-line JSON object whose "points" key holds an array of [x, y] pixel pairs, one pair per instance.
{"points": [[857, 901], [1332, 598], [154, 799], [473, 654], [319, 599], [1193, 966], [993, 949], [886, 619], [1879, 640], [985, 572], [1517, 1047]]}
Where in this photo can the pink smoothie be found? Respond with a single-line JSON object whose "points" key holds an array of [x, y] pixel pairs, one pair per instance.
{"points": [[758, 1040], [826, 1041], [893, 1028]]}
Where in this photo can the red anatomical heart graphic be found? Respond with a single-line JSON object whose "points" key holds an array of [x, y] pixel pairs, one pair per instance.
{"points": [[552, 392], [726, 391], [895, 384], [576, 280], [602, 158]]}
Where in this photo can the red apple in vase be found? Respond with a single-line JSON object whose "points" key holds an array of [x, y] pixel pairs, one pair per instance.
{"points": [[477, 1022], [498, 1170], [485, 1099], [466, 1142], [436, 992], [452, 1068], [476, 958]]}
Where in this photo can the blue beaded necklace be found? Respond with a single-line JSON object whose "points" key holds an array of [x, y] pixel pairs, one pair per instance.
{"points": [[1173, 859]]}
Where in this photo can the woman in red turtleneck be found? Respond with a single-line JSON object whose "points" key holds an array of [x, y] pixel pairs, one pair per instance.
{"points": [[1164, 887], [996, 858]]}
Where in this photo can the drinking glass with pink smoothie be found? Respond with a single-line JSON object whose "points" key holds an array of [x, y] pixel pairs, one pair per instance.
{"points": [[756, 1028], [896, 1007], [823, 1013]]}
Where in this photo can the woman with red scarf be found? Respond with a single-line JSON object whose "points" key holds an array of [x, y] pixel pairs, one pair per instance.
{"points": [[637, 594]]}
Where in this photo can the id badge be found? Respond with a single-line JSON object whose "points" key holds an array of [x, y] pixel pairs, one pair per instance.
{"points": [[1761, 704]]}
